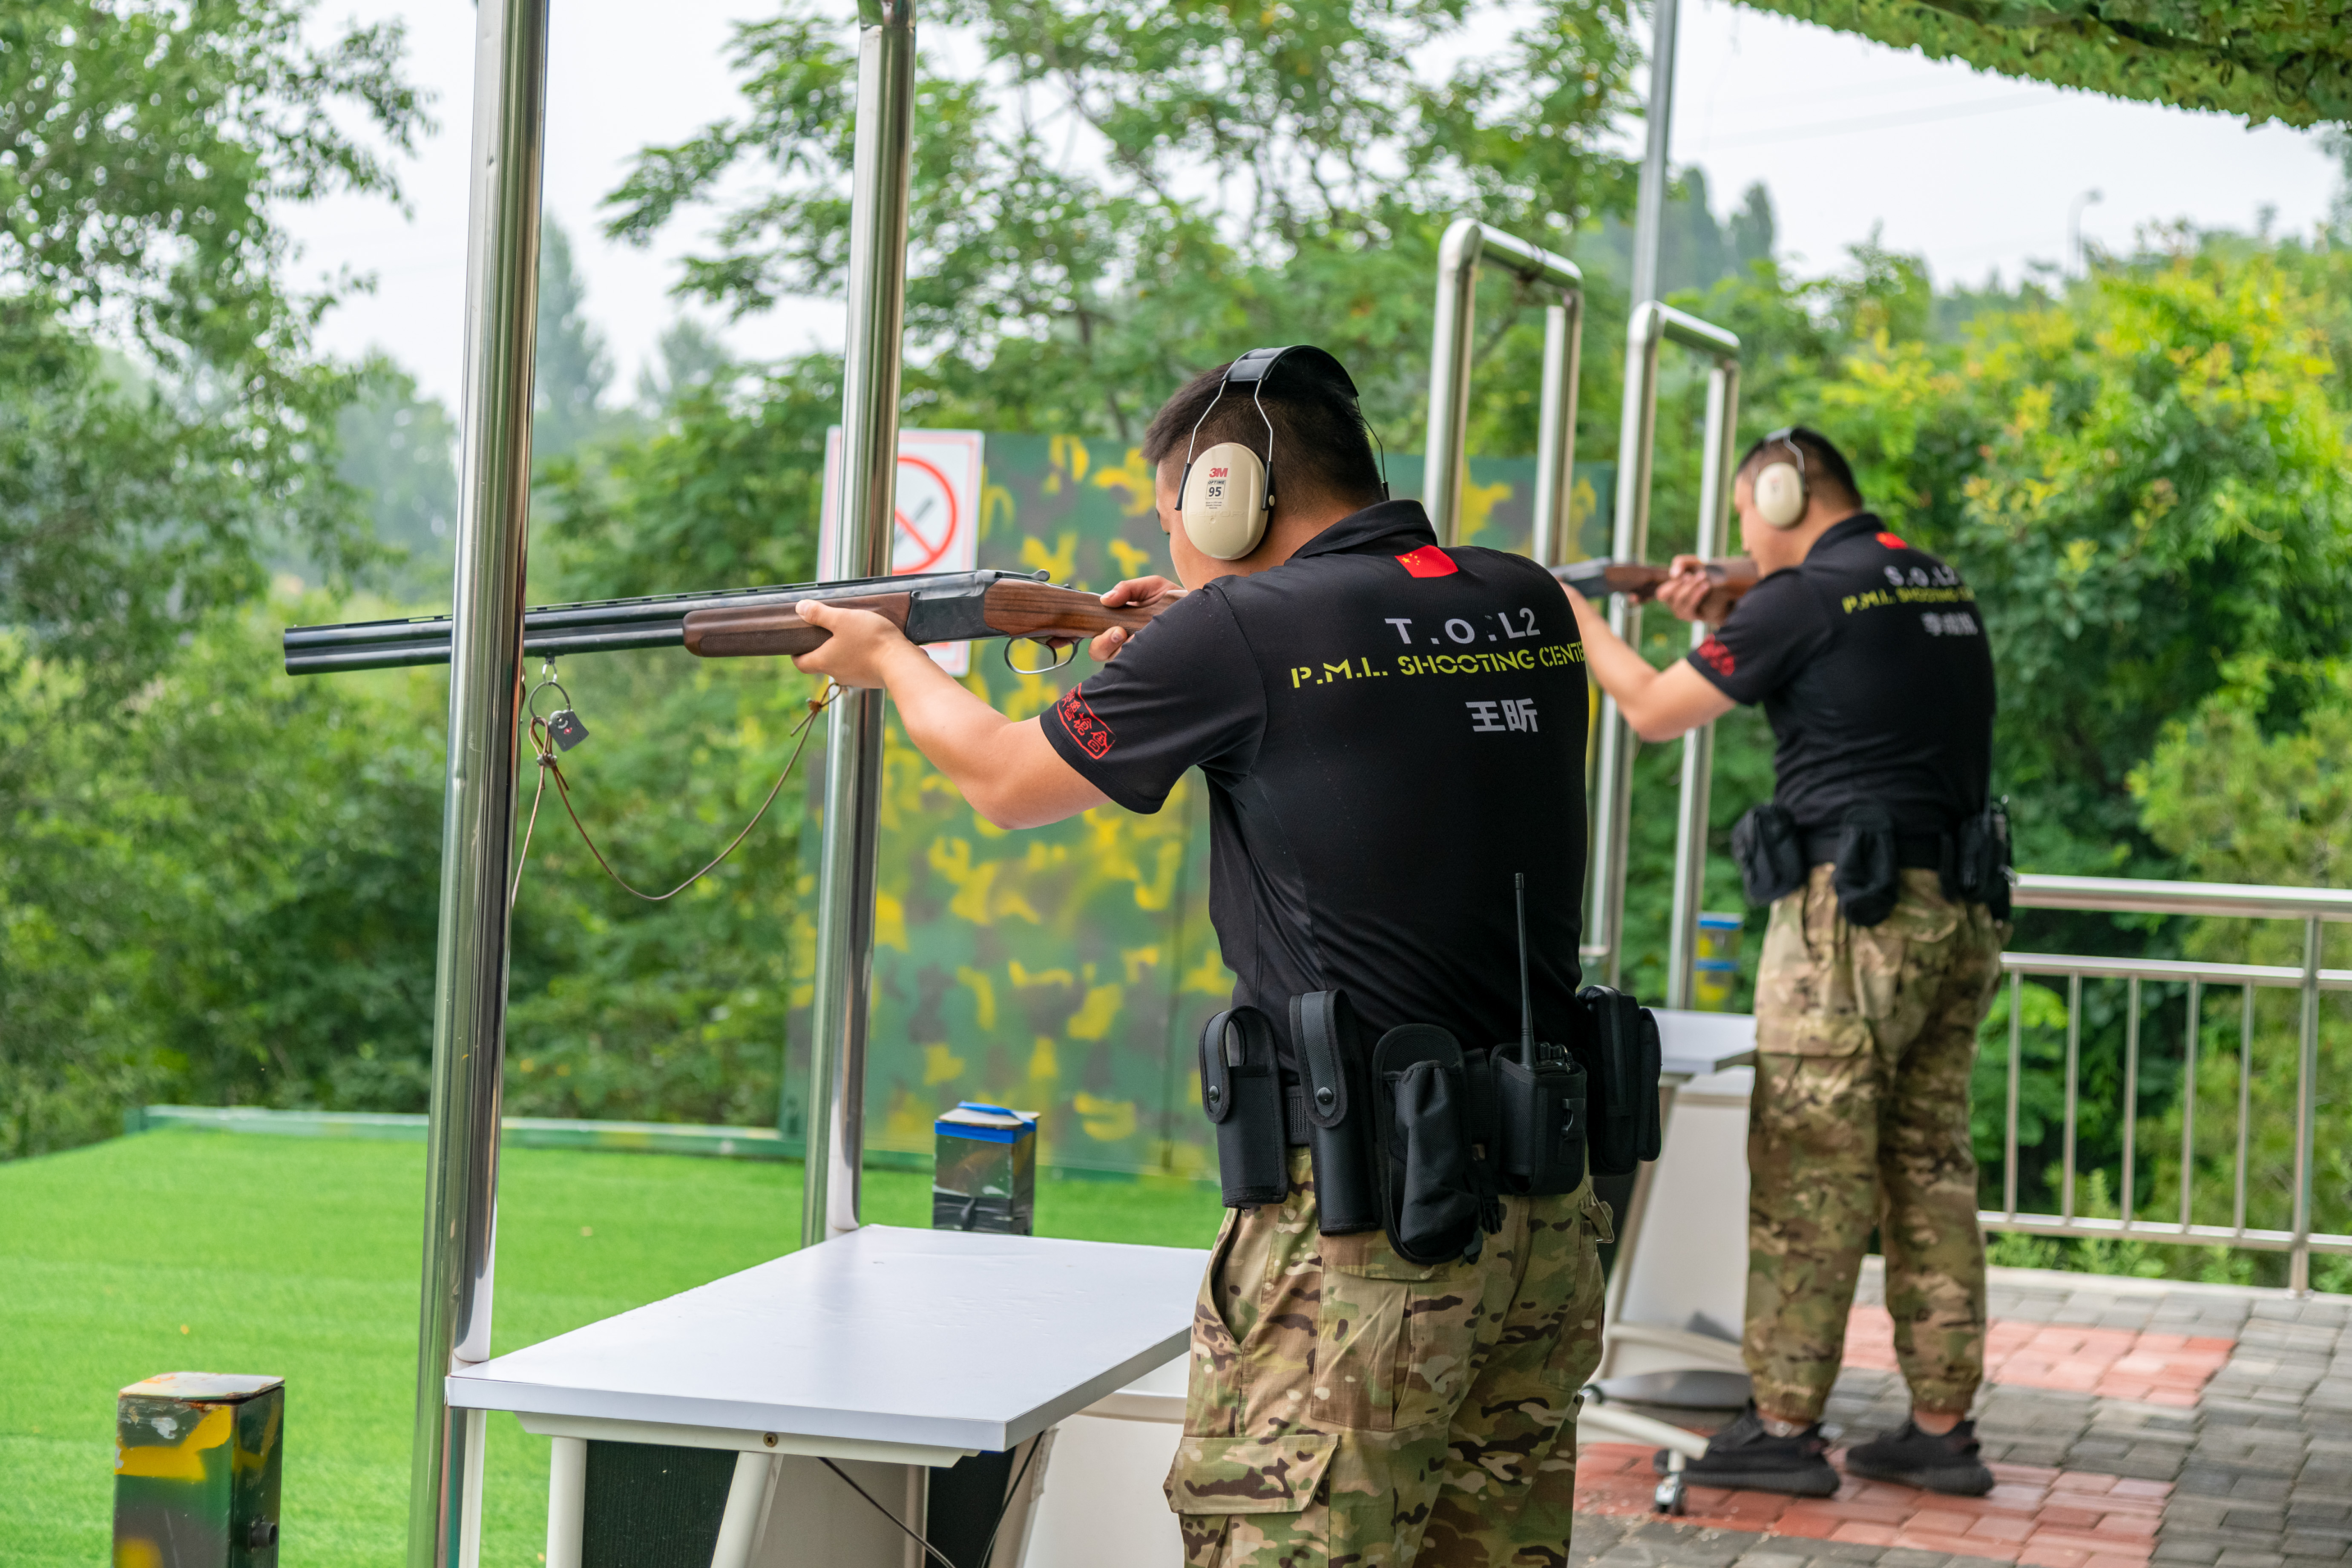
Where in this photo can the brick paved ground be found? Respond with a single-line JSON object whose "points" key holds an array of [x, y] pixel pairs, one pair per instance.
{"points": [[2139, 1422]]}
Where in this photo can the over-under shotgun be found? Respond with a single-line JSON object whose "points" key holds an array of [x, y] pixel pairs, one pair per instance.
{"points": [[939, 607], [1731, 577]]}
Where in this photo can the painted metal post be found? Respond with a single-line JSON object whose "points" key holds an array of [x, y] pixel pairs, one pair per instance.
{"points": [[1468, 244], [486, 670], [2307, 1109], [862, 540], [1658, 118], [1698, 746]]}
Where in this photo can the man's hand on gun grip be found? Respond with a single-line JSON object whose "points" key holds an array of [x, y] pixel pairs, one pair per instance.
{"points": [[855, 655], [1155, 592], [1684, 591]]}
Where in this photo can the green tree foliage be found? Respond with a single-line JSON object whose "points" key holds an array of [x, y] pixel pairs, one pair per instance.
{"points": [[399, 450], [571, 369], [2270, 59]]}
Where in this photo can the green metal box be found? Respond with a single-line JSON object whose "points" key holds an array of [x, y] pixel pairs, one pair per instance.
{"points": [[197, 1471]]}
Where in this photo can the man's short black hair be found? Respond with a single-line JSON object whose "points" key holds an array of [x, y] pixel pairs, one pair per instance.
{"points": [[1322, 448], [1826, 470]]}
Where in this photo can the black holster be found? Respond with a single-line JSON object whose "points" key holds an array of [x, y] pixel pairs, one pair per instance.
{"points": [[1621, 1052], [1770, 853], [1541, 1101], [1339, 1111], [1240, 1089]]}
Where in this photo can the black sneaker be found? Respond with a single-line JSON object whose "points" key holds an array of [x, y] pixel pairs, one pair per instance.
{"points": [[1947, 1464], [1746, 1458]]}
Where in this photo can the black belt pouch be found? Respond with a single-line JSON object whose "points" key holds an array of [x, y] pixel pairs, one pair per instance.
{"points": [[1770, 853], [1240, 1089], [1429, 1198], [1339, 1112], [1622, 1057], [1980, 875], [1869, 875], [1541, 1103]]}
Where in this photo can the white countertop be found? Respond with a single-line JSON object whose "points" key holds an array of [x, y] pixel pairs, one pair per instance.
{"points": [[930, 1338], [1693, 1045]]}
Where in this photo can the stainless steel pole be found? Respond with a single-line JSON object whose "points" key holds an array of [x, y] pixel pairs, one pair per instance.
{"points": [[869, 466], [2306, 1109], [1649, 200], [1698, 746], [1614, 781], [485, 668], [1449, 375], [1555, 523]]}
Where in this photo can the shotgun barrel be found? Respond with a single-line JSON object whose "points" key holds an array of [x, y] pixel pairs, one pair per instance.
{"points": [[1731, 577], [934, 606]]}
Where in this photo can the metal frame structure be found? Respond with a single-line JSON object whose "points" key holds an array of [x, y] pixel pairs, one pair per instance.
{"points": [[1468, 244], [486, 695], [1653, 326]]}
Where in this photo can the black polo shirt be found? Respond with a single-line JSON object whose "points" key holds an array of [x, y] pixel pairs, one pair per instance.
{"points": [[1870, 659], [1388, 731]]}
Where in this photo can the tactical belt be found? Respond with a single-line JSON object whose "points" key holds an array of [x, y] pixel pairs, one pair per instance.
{"points": [[1418, 1137], [1913, 851]]}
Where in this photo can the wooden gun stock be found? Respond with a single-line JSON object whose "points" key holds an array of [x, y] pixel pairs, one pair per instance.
{"points": [[1010, 607], [1638, 580]]}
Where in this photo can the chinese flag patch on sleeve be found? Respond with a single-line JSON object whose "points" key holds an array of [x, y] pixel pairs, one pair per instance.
{"points": [[1091, 734], [1428, 561], [1892, 542]]}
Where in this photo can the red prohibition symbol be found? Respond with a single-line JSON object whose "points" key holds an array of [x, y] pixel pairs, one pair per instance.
{"points": [[930, 550]]}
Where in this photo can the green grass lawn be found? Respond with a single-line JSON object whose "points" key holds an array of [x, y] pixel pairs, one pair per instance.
{"points": [[200, 1251]]}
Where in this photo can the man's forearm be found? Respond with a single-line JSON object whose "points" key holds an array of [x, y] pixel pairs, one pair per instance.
{"points": [[1619, 671]]}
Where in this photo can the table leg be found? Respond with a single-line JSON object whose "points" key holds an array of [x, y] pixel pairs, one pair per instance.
{"points": [[917, 1514], [739, 1526], [567, 1497], [469, 1497]]}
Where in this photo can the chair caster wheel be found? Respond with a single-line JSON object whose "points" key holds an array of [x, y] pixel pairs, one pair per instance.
{"points": [[1670, 1496]]}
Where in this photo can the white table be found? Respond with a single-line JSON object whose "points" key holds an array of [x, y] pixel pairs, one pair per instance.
{"points": [[885, 1347], [1691, 1044]]}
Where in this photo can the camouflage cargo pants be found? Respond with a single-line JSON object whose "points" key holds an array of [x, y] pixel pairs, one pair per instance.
{"points": [[1866, 1039], [1348, 1408]]}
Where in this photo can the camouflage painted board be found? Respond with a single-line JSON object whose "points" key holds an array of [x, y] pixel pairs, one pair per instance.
{"points": [[197, 1460], [1350, 1408], [1066, 969], [1865, 1037]]}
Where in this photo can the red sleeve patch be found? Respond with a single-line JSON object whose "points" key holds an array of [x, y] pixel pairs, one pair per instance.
{"points": [[1428, 561], [1091, 734], [1718, 657], [1891, 540]]}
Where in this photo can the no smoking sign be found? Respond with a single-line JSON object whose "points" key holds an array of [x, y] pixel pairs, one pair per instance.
{"points": [[937, 525]]}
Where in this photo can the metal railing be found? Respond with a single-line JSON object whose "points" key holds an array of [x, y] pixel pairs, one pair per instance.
{"points": [[2313, 907]]}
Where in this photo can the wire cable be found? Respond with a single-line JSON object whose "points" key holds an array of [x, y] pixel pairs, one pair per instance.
{"points": [[885, 1513]]}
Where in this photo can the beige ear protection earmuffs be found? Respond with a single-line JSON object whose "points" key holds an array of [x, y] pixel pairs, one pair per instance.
{"points": [[1226, 518], [1781, 493]]}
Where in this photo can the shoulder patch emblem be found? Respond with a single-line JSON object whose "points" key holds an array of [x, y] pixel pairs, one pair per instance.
{"points": [[1428, 561], [1719, 658], [1891, 540], [1091, 734]]}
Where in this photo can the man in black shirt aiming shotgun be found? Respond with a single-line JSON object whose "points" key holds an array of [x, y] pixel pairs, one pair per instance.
{"points": [[1380, 1371], [1886, 872]]}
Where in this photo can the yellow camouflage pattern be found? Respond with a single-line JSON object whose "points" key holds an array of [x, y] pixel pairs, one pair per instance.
{"points": [[1866, 1039], [1347, 1407]]}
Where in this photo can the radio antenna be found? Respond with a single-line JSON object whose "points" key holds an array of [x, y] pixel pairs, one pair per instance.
{"points": [[1527, 997]]}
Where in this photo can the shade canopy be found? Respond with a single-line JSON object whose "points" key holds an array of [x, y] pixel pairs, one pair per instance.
{"points": [[2289, 60]]}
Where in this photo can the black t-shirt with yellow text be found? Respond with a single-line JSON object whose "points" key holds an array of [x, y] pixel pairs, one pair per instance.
{"points": [[1870, 659], [1388, 731]]}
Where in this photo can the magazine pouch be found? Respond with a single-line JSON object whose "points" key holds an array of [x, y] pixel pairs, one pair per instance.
{"points": [[1868, 878], [1980, 873], [1240, 1089], [1770, 853]]}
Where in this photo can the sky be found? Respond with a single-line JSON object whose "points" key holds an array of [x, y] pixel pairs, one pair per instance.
{"points": [[1978, 173]]}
